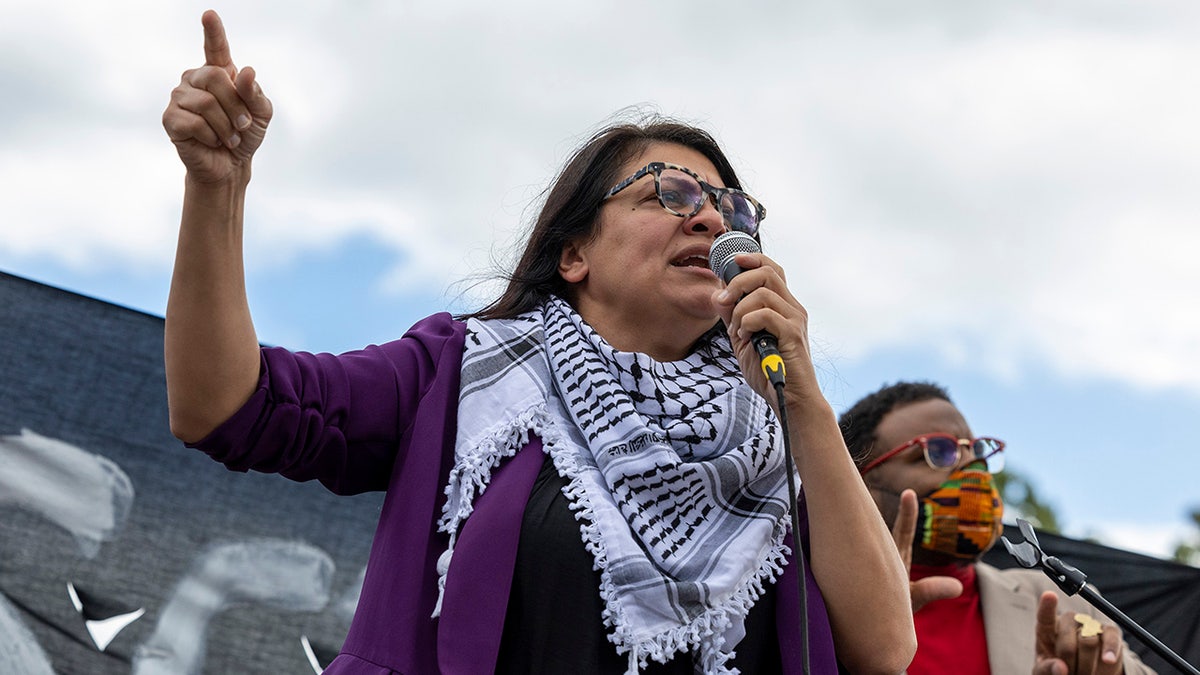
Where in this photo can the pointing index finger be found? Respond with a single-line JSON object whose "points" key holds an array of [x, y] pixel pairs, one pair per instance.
{"points": [[905, 526], [1046, 626], [216, 47]]}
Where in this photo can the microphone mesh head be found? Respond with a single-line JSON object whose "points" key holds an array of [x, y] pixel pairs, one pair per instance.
{"points": [[724, 248]]}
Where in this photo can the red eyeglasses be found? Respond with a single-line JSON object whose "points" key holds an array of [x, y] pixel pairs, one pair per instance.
{"points": [[943, 451]]}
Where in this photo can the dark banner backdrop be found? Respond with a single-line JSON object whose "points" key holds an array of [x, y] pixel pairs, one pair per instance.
{"points": [[122, 551]]}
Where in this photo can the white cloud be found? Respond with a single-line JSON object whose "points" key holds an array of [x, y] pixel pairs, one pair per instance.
{"points": [[99, 200], [1158, 540], [1029, 197], [1011, 188]]}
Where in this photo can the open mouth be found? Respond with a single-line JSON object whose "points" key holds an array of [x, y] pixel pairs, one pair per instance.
{"points": [[691, 261]]}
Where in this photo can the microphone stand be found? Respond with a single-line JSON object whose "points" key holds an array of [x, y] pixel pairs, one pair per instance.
{"points": [[1029, 555]]}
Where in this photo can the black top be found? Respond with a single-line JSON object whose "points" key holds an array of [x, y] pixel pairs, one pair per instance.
{"points": [[553, 623]]}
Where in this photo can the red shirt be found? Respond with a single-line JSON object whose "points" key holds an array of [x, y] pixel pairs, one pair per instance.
{"points": [[950, 637]]}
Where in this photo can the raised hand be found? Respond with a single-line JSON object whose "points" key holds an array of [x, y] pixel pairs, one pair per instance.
{"points": [[923, 591], [218, 115], [1064, 649]]}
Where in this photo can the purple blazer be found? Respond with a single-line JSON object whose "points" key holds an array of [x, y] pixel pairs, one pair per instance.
{"points": [[384, 418]]}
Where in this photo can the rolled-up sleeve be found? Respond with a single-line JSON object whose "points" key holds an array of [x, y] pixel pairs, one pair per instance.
{"points": [[335, 418]]}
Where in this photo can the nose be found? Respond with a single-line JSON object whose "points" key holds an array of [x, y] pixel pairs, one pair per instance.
{"points": [[707, 219], [966, 454]]}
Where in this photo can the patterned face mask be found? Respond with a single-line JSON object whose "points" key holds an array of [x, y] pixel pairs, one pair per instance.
{"points": [[962, 516]]}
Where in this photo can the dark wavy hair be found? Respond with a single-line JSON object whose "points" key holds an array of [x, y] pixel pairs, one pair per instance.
{"points": [[573, 202], [859, 422]]}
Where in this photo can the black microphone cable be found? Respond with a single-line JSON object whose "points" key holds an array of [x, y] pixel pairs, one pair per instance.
{"points": [[720, 259]]}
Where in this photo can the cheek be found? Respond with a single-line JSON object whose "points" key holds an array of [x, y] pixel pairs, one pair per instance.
{"points": [[927, 484], [919, 478]]}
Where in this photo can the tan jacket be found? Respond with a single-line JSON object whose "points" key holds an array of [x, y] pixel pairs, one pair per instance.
{"points": [[1009, 599]]}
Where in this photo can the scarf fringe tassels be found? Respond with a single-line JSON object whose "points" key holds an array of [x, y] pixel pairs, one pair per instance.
{"points": [[706, 632], [625, 433], [472, 472]]}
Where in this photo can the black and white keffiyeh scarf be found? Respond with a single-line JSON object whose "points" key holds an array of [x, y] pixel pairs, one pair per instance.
{"points": [[674, 470]]}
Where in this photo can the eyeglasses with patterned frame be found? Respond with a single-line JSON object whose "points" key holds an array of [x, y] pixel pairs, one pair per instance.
{"points": [[943, 451], [681, 192]]}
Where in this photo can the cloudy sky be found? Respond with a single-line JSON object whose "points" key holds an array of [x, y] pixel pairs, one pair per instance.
{"points": [[1000, 197]]}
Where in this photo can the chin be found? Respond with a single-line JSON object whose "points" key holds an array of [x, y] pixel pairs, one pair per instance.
{"points": [[701, 321], [699, 303]]}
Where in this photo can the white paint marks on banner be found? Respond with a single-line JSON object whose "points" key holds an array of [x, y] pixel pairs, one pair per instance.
{"points": [[291, 576], [85, 494]]}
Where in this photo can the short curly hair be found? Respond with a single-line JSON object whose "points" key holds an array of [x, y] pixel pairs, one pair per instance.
{"points": [[859, 422]]}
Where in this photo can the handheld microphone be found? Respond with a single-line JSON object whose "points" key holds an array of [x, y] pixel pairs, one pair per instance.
{"points": [[720, 259]]}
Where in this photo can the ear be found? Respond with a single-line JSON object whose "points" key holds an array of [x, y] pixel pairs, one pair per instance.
{"points": [[572, 264]]}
